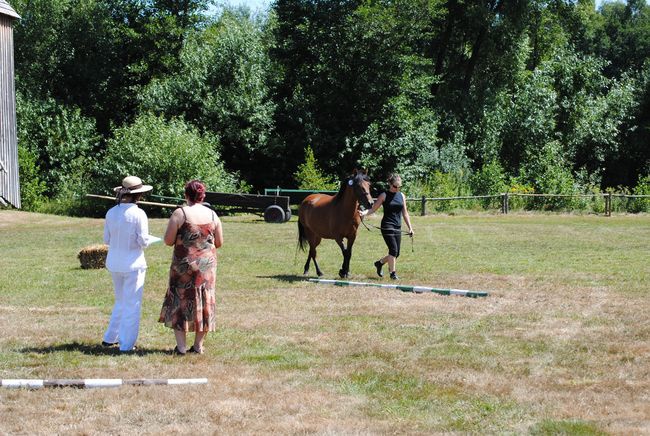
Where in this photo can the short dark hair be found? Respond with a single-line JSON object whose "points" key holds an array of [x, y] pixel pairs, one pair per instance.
{"points": [[195, 191]]}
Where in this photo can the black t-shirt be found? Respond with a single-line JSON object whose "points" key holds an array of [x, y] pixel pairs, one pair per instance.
{"points": [[393, 206]]}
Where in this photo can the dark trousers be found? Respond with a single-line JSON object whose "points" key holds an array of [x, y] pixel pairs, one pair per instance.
{"points": [[393, 239]]}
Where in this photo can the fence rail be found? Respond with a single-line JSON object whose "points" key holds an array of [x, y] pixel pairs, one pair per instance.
{"points": [[505, 199]]}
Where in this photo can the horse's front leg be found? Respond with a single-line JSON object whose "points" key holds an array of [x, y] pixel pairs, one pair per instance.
{"points": [[347, 254], [346, 260]]}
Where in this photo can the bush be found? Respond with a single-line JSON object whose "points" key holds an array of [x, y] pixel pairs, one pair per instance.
{"points": [[589, 184], [74, 206], [516, 202], [489, 180], [310, 176], [642, 188], [32, 188], [164, 154], [595, 203], [439, 184], [546, 170], [61, 141], [619, 204]]}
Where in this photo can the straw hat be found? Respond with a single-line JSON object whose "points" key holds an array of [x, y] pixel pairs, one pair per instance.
{"points": [[132, 185]]}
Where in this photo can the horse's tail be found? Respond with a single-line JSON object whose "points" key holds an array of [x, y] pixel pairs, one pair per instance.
{"points": [[302, 238]]}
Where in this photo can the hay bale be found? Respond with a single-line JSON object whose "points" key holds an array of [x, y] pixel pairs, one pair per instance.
{"points": [[93, 256]]}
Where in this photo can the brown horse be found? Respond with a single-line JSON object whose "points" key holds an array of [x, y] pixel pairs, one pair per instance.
{"points": [[323, 216]]}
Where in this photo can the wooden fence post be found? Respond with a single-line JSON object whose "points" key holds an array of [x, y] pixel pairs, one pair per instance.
{"points": [[424, 205], [608, 204], [504, 203]]}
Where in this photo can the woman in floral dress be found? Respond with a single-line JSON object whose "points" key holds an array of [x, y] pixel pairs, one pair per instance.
{"points": [[195, 232]]}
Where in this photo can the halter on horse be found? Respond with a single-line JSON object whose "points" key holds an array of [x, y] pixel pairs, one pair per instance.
{"points": [[323, 216]]}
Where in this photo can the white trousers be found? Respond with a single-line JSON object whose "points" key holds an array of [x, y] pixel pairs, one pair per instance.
{"points": [[125, 319]]}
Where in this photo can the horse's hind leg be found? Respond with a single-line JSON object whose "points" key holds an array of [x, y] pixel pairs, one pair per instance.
{"points": [[307, 264], [313, 243], [318, 271]]}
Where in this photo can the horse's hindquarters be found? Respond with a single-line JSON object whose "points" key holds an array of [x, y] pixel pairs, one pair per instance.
{"points": [[315, 214]]}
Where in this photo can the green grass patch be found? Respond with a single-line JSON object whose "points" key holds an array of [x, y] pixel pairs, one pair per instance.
{"points": [[395, 395], [259, 349], [550, 427]]}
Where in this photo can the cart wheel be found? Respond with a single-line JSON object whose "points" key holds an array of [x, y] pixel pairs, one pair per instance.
{"points": [[287, 215], [274, 214]]}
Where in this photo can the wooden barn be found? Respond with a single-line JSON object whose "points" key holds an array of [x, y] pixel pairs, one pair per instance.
{"points": [[9, 180]]}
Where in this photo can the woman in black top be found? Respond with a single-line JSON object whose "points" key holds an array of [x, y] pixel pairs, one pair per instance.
{"points": [[391, 224]]}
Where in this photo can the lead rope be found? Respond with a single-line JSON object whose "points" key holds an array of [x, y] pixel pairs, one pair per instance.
{"points": [[380, 228]]}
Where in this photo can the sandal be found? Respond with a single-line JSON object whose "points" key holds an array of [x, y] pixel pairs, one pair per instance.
{"points": [[194, 350]]}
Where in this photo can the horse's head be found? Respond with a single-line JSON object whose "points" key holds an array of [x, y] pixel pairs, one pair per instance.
{"points": [[361, 185]]}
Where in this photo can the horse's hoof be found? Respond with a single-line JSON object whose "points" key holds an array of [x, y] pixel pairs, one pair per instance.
{"points": [[343, 274], [320, 274]]}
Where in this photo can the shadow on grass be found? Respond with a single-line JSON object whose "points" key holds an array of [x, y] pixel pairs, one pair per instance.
{"points": [[287, 278], [93, 350], [292, 278]]}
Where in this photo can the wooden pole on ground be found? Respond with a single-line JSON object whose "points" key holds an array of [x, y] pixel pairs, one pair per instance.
{"points": [[148, 203], [97, 382], [405, 288]]}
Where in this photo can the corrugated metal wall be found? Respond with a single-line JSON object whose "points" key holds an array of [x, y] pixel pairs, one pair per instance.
{"points": [[9, 182], [6, 9]]}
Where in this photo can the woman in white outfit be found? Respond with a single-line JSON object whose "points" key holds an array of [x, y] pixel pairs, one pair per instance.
{"points": [[126, 231]]}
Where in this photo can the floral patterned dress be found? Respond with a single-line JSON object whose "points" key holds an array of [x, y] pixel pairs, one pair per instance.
{"points": [[189, 303]]}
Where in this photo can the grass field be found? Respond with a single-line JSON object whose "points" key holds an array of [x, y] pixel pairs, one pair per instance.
{"points": [[561, 345]]}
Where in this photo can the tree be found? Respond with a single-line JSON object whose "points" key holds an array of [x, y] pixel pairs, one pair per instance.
{"points": [[339, 63], [630, 99], [625, 36], [221, 88], [97, 54], [310, 176]]}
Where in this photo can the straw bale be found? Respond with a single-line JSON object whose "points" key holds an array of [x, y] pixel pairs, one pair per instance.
{"points": [[93, 256]]}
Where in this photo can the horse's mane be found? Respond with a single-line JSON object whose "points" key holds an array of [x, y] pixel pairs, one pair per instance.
{"points": [[344, 184]]}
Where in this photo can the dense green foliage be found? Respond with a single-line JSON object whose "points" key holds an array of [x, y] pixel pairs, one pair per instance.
{"points": [[98, 54], [460, 97], [61, 141], [221, 87], [164, 153], [32, 189]]}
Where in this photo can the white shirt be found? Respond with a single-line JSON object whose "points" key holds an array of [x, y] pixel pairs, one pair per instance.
{"points": [[126, 231]]}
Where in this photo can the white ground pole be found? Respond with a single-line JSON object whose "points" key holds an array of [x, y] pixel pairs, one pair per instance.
{"points": [[405, 288], [97, 382]]}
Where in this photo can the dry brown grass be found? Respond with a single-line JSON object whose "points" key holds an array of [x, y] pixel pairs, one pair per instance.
{"points": [[556, 341]]}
